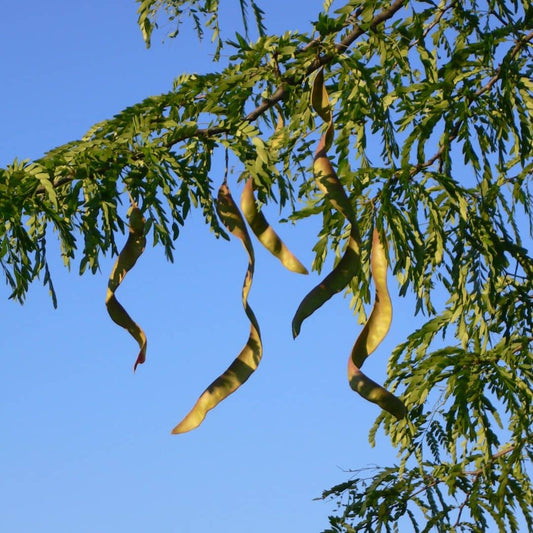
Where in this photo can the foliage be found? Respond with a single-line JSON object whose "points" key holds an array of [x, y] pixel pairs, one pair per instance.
{"points": [[445, 89]]}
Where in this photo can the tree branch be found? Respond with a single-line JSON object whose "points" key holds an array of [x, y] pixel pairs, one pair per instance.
{"points": [[280, 93], [482, 90], [474, 473]]}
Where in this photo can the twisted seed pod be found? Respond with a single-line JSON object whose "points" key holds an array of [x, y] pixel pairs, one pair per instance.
{"points": [[320, 98], [265, 233], [373, 392], [380, 319], [333, 283], [329, 183], [248, 360], [373, 333], [126, 260], [381, 316]]}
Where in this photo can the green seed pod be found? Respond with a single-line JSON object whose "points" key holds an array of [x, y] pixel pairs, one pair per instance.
{"points": [[320, 103], [380, 318], [126, 260], [265, 233], [247, 361], [329, 183]]}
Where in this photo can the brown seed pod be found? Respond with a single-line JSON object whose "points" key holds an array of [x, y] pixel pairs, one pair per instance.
{"points": [[126, 260]]}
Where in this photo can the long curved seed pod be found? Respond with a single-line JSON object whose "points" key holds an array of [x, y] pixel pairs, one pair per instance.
{"points": [[380, 319], [320, 98], [265, 233], [333, 283], [126, 260], [373, 392], [248, 360], [373, 333], [329, 183]]}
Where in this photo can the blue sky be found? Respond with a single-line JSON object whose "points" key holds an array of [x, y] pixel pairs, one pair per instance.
{"points": [[86, 444]]}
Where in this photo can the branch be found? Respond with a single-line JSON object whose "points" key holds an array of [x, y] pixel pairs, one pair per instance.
{"points": [[518, 45], [482, 90], [281, 92], [358, 31], [474, 473]]}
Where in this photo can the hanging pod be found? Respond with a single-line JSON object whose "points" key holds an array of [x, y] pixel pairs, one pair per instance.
{"points": [[380, 319], [375, 393], [259, 224], [333, 283], [247, 361], [329, 183], [378, 324], [265, 233], [374, 331], [126, 260]]}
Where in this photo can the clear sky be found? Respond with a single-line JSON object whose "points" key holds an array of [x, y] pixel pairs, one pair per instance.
{"points": [[85, 444]]}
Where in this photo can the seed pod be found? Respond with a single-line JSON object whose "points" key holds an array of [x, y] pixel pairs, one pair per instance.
{"points": [[373, 333], [320, 103], [329, 183], [247, 361], [380, 319], [320, 97], [333, 283], [265, 233], [373, 392], [126, 260]]}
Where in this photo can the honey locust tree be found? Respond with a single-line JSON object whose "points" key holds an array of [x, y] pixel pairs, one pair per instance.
{"points": [[445, 89]]}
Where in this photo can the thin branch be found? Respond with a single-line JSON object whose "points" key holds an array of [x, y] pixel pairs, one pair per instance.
{"points": [[497, 455], [475, 473], [519, 44], [280, 93], [455, 130]]}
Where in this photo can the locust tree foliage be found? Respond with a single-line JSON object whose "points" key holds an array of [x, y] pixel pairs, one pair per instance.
{"points": [[445, 89]]}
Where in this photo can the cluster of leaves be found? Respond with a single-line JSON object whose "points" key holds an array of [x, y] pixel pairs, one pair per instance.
{"points": [[442, 496], [203, 13], [446, 90]]}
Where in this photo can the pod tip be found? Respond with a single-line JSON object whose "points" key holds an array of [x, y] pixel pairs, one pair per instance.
{"points": [[295, 331], [184, 426], [301, 270], [141, 358]]}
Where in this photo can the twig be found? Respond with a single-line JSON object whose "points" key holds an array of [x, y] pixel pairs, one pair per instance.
{"points": [[455, 130]]}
